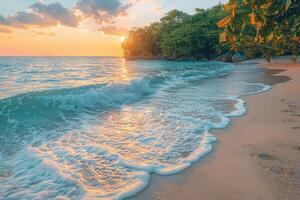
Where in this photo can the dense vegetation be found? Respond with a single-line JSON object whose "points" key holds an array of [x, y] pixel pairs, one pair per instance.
{"points": [[264, 27], [178, 36], [252, 27]]}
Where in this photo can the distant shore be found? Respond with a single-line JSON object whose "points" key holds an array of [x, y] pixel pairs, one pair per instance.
{"points": [[257, 157]]}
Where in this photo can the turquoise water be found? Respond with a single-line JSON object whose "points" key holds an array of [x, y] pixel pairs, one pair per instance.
{"points": [[96, 128]]}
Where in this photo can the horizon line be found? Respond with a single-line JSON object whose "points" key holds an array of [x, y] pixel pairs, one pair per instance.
{"points": [[58, 56]]}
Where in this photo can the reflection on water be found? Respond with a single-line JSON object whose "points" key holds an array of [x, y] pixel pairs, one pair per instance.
{"points": [[21, 75], [96, 128]]}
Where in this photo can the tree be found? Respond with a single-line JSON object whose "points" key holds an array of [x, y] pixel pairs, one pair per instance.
{"points": [[142, 42], [269, 27], [178, 36]]}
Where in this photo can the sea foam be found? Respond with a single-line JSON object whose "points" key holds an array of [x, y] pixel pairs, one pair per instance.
{"points": [[104, 140]]}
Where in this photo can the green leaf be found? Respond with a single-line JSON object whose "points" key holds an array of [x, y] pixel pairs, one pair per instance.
{"points": [[288, 4], [270, 36]]}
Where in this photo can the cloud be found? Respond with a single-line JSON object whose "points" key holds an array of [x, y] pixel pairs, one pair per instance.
{"points": [[103, 11], [158, 10], [45, 15], [112, 30], [57, 12], [45, 33], [5, 30], [24, 19], [42, 15], [3, 20]]}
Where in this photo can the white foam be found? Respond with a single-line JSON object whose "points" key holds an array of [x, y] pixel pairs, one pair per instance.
{"points": [[112, 155]]}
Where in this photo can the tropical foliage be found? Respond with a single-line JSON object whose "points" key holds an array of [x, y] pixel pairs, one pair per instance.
{"points": [[266, 27], [252, 27], [178, 36]]}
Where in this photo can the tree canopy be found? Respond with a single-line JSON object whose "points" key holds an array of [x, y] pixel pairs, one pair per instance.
{"points": [[266, 27], [251, 27], [178, 35]]}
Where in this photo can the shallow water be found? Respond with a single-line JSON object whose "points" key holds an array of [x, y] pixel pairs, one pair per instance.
{"points": [[96, 128]]}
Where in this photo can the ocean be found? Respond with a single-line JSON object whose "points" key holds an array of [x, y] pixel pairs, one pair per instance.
{"points": [[98, 127]]}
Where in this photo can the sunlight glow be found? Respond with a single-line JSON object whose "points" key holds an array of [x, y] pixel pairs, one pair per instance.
{"points": [[122, 39]]}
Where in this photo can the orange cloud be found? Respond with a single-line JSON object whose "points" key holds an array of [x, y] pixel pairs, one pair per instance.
{"points": [[112, 30], [53, 14], [57, 12], [5, 30], [46, 33]]}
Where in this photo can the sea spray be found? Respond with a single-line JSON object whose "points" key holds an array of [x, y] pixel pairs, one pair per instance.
{"points": [[123, 121]]}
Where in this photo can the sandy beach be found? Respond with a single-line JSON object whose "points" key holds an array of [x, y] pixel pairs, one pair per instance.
{"points": [[257, 156]]}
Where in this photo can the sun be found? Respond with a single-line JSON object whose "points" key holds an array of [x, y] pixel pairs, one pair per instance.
{"points": [[122, 39]]}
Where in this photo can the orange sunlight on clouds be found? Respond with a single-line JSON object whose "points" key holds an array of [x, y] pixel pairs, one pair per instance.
{"points": [[78, 27]]}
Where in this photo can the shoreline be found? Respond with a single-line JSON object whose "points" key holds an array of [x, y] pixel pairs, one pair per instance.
{"points": [[248, 162]]}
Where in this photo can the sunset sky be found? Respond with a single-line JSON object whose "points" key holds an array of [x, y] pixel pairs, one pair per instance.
{"points": [[78, 27]]}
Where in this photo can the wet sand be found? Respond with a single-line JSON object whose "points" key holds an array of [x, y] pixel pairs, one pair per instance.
{"points": [[257, 156]]}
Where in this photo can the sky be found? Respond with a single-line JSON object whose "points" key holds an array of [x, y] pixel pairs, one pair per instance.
{"points": [[79, 27]]}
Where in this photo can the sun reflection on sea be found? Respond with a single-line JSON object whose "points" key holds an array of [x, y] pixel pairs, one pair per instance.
{"points": [[123, 73]]}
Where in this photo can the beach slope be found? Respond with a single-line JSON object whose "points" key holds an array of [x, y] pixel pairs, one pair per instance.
{"points": [[257, 156]]}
